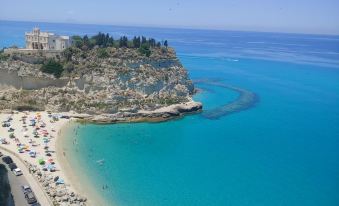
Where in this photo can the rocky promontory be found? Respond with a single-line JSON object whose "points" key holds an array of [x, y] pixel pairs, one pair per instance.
{"points": [[109, 84]]}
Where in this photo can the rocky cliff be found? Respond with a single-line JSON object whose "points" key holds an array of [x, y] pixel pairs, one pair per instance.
{"points": [[99, 81]]}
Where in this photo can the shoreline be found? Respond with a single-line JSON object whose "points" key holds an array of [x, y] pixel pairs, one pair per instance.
{"points": [[73, 177], [71, 191], [162, 114]]}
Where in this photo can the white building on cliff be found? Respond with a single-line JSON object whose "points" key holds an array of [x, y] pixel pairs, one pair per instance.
{"points": [[37, 40]]}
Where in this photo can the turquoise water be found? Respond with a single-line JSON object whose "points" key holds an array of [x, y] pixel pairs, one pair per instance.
{"points": [[282, 151]]}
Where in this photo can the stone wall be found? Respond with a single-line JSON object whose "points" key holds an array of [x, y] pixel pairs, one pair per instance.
{"points": [[45, 53]]}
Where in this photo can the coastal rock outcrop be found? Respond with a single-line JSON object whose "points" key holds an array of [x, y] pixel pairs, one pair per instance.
{"points": [[121, 84], [161, 114]]}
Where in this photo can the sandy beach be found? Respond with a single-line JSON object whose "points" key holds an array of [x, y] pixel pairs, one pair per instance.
{"points": [[30, 138], [79, 183]]}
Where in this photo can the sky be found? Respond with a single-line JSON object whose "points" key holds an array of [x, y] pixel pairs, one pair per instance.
{"points": [[293, 16]]}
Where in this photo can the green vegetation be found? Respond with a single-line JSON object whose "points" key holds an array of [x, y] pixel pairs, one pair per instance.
{"points": [[69, 52], [52, 67], [3, 56], [4, 185], [102, 53], [145, 50], [69, 67], [102, 40]]}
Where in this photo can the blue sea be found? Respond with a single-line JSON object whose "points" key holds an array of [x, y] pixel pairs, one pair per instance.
{"points": [[282, 151]]}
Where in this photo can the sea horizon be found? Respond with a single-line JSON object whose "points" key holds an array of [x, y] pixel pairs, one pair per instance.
{"points": [[282, 150], [174, 27]]}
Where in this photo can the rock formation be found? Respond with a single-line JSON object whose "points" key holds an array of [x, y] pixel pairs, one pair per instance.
{"points": [[121, 83]]}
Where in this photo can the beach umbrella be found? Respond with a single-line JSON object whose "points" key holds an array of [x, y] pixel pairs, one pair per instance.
{"points": [[51, 168], [60, 181], [32, 153], [41, 161]]}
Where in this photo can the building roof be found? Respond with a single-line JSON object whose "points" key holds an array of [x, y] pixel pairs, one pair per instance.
{"points": [[65, 37], [46, 34]]}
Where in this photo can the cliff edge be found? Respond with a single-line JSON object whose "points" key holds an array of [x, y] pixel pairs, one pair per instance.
{"points": [[108, 84]]}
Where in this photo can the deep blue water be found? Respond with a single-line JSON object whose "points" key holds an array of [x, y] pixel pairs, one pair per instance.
{"points": [[283, 151]]}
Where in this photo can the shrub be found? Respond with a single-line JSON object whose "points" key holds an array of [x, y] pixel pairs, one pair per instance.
{"points": [[69, 52], [102, 53], [77, 41], [69, 67], [52, 67], [3, 56], [144, 50]]}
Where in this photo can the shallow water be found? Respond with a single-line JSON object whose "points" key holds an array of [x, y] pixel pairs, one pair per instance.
{"points": [[281, 151]]}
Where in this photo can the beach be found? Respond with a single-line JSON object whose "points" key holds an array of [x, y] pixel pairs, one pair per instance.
{"points": [[74, 175], [36, 141], [34, 150]]}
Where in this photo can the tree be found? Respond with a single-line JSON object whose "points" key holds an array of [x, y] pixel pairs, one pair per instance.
{"points": [[136, 42], [77, 41], [86, 43], [86, 40], [105, 40], [105, 43], [152, 42], [52, 67], [99, 39], [68, 53], [110, 42], [143, 40], [123, 42]]}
